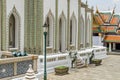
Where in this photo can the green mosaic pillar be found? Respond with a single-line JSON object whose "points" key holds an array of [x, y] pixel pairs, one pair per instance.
{"points": [[29, 25], [39, 28], [33, 26], [68, 24], [26, 10], [35, 22], [3, 25], [79, 20], [0, 23], [56, 27]]}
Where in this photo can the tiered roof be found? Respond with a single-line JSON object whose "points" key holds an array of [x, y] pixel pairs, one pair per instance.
{"points": [[106, 19], [112, 38], [107, 22]]}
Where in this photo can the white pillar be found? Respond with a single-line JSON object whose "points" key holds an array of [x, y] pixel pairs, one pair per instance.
{"points": [[109, 47], [100, 40], [114, 46]]}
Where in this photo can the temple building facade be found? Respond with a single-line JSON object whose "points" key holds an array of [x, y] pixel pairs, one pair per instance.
{"points": [[106, 26], [69, 36], [21, 22]]}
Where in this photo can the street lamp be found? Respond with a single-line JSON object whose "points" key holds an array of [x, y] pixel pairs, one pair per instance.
{"points": [[45, 28]]}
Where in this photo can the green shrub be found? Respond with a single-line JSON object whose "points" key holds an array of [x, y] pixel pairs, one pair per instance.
{"points": [[61, 67]]}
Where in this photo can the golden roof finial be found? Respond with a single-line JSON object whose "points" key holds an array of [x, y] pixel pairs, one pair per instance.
{"points": [[97, 11], [114, 9], [86, 2]]}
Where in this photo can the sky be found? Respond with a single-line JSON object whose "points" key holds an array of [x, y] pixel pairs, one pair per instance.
{"points": [[104, 5]]}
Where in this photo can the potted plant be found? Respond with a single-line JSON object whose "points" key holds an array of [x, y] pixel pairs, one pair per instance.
{"points": [[61, 70], [97, 62]]}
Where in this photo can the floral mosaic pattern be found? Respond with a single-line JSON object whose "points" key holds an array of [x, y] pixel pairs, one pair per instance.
{"points": [[23, 66], [6, 70]]}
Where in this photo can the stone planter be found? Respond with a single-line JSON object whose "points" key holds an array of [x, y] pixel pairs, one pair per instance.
{"points": [[61, 70], [97, 62]]}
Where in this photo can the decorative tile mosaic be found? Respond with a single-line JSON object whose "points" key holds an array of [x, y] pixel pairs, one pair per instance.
{"points": [[23, 66], [6, 70]]}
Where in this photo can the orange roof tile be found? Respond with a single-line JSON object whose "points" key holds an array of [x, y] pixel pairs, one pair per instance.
{"points": [[98, 19], [105, 17], [114, 20], [112, 38]]}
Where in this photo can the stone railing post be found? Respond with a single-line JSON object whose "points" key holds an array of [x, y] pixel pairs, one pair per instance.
{"points": [[30, 75]]}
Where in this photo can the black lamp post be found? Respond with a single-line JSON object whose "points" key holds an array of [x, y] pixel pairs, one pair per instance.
{"points": [[45, 28]]}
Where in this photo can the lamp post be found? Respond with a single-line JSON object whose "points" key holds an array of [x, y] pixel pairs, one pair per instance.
{"points": [[45, 28]]}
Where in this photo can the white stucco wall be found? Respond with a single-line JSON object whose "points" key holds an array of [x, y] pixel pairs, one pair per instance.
{"points": [[74, 8], [89, 15], [84, 32], [19, 5], [62, 6], [89, 27], [47, 6], [83, 12]]}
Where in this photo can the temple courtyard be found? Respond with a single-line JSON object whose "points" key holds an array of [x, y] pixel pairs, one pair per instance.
{"points": [[109, 70]]}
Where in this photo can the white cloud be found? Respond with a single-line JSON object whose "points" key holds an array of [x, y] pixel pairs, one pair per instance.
{"points": [[116, 1]]}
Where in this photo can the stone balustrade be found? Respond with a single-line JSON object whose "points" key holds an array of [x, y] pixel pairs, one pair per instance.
{"points": [[16, 66]]}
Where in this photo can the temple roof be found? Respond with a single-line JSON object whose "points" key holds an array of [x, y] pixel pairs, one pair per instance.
{"points": [[108, 17], [105, 16], [112, 38], [108, 28], [115, 20], [108, 21]]}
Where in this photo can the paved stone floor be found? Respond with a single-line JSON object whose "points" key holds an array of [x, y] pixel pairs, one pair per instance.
{"points": [[109, 70]]}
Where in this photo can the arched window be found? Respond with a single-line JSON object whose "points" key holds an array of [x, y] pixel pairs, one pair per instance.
{"points": [[62, 29], [12, 31], [50, 22], [71, 27], [73, 30]]}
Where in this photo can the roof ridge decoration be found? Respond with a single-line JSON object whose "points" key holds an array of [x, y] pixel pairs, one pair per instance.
{"points": [[97, 11]]}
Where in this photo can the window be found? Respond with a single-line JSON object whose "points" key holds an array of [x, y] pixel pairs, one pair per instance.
{"points": [[12, 31]]}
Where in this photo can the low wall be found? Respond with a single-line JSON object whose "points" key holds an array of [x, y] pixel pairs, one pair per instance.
{"points": [[15, 66], [60, 59], [100, 52], [53, 61], [64, 58]]}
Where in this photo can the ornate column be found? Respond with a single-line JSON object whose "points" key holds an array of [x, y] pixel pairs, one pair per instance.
{"points": [[0, 23], [79, 20], [33, 26], [3, 25], [56, 48], [26, 27], [68, 24], [39, 27]]}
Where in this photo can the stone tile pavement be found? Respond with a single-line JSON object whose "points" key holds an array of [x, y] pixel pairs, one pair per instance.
{"points": [[109, 70]]}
